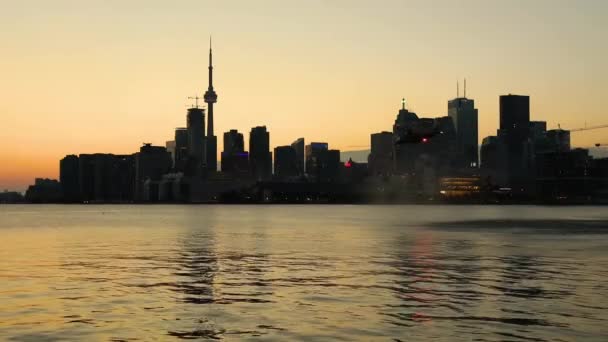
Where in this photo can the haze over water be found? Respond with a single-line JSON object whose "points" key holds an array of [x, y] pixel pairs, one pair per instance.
{"points": [[485, 273]]}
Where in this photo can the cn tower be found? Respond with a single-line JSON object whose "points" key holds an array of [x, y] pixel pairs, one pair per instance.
{"points": [[210, 99]]}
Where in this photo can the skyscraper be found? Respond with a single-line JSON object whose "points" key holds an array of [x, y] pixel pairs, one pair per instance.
{"points": [[381, 155], [235, 160], [515, 147], [68, 177], [514, 111], [196, 141], [298, 146], [260, 157], [210, 99], [464, 116], [285, 164], [181, 149]]}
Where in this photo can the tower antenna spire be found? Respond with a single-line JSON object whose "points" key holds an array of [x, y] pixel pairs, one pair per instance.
{"points": [[403, 103], [465, 88], [457, 89]]}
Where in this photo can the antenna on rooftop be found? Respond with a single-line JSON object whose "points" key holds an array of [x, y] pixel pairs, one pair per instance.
{"points": [[195, 98]]}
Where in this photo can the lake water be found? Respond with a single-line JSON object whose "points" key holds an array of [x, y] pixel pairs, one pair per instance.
{"points": [[371, 273]]}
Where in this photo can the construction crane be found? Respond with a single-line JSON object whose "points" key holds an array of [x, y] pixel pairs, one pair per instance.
{"points": [[585, 128]]}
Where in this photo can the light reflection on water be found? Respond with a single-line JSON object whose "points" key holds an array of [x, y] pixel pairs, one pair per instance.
{"points": [[281, 273]]}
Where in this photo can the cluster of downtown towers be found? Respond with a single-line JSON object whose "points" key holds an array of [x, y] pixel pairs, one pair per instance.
{"points": [[420, 158]]}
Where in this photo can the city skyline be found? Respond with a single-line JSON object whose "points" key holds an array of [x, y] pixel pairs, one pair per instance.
{"points": [[341, 94]]}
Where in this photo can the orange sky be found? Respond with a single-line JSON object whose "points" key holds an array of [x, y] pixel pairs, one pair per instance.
{"points": [[106, 76]]}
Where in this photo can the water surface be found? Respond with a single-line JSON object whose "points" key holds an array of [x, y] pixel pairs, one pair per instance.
{"points": [[440, 273]]}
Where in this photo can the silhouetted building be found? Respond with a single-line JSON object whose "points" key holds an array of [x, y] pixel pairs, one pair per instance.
{"points": [[151, 163], [564, 176], [260, 157], [68, 177], [538, 129], [314, 154], [298, 146], [464, 117], [322, 164], [285, 162], [235, 160], [196, 142], [515, 167], [381, 155], [423, 146], [44, 190], [211, 99], [514, 112], [180, 158], [353, 172], [107, 177], [7, 197], [559, 139]]}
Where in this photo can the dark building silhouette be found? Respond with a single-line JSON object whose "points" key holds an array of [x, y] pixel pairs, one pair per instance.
{"points": [[260, 157], [381, 155], [515, 167], [7, 197], [211, 99], [322, 164], [151, 163], [196, 141], [298, 146], [314, 154], [180, 158], [285, 162], [107, 177], [559, 139], [538, 129], [423, 146], [68, 177], [235, 160], [514, 111], [464, 117], [44, 190]]}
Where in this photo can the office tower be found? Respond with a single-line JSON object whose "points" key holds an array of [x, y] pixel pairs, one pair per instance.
{"points": [[405, 125], [107, 177], [381, 155], [423, 146], [68, 177], [44, 190], [559, 140], [322, 164], [233, 142], [538, 129], [151, 163], [235, 160], [196, 141], [298, 146], [515, 146], [514, 111], [285, 162], [181, 149], [464, 117], [331, 168], [211, 99], [260, 157]]}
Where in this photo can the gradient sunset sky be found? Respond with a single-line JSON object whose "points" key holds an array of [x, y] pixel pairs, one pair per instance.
{"points": [[106, 76]]}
